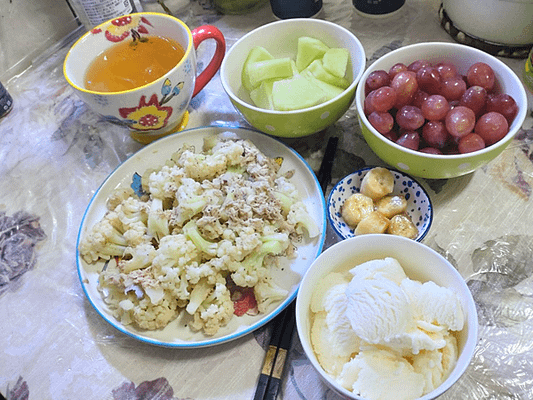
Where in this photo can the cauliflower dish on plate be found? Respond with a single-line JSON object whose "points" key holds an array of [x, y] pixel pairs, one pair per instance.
{"points": [[200, 235]]}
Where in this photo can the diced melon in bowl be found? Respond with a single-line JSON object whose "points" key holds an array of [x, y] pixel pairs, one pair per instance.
{"points": [[317, 69], [277, 68], [262, 95], [331, 91], [309, 49], [256, 54], [296, 93], [335, 61]]}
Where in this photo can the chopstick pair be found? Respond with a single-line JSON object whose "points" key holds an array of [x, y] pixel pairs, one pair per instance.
{"points": [[278, 349], [283, 325]]}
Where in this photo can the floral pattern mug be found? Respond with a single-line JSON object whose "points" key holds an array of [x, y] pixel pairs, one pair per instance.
{"points": [[160, 107]]}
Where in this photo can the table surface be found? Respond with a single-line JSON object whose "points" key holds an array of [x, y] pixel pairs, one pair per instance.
{"points": [[55, 153]]}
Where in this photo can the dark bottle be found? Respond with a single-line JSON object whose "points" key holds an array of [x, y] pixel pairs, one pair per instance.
{"points": [[6, 101]]}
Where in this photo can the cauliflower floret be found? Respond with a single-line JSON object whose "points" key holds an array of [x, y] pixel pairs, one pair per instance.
{"points": [[191, 231], [190, 201], [118, 196], [215, 311], [252, 269], [164, 183], [137, 257], [202, 166], [174, 255], [104, 240], [132, 211], [299, 217], [266, 292], [155, 316]]}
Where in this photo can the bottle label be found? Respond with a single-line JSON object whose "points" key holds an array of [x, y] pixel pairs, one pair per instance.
{"points": [[100, 11]]}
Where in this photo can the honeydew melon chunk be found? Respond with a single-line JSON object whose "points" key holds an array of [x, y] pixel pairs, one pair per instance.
{"points": [[317, 69], [296, 93], [258, 53], [308, 50], [276, 68], [262, 95], [330, 91], [335, 61]]}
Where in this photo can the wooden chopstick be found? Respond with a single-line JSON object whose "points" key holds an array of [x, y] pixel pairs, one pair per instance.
{"points": [[283, 325]]}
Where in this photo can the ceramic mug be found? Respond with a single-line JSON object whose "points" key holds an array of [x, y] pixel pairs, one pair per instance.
{"points": [[159, 107]]}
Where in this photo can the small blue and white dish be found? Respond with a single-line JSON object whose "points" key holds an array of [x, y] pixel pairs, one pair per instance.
{"points": [[419, 205]]}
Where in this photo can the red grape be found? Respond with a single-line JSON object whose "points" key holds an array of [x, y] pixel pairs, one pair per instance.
{"points": [[471, 142], [453, 88], [406, 86], [375, 80], [410, 139], [428, 79], [410, 118], [435, 134], [419, 98], [460, 121], [398, 67], [382, 121], [446, 70], [474, 98], [481, 74], [368, 106], [435, 107], [383, 99], [416, 65], [504, 104], [492, 127]]}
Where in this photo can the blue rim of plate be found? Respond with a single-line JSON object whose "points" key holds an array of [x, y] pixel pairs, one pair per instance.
{"points": [[239, 333], [360, 172]]}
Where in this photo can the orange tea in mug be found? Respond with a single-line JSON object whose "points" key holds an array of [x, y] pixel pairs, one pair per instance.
{"points": [[130, 64]]}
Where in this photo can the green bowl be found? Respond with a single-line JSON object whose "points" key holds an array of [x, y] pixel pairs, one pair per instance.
{"points": [[280, 38], [441, 166]]}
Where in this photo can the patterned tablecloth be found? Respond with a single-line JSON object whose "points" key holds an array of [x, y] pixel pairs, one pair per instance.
{"points": [[55, 152]]}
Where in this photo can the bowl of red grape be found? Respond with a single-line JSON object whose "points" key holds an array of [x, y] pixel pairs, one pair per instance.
{"points": [[439, 110]]}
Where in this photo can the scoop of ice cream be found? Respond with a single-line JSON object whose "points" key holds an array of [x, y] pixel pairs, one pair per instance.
{"points": [[332, 335], [383, 375], [387, 268], [378, 309], [436, 365], [434, 305], [323, 343]]}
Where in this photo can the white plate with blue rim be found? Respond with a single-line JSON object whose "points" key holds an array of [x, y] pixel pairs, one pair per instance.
{"points": [[177, 334], [419, 206]]}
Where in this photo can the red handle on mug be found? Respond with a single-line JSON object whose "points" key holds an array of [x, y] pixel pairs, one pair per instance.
{"points": [[198, 36]]}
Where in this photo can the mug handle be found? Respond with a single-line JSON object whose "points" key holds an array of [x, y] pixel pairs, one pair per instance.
{"points": [[198, 36]]}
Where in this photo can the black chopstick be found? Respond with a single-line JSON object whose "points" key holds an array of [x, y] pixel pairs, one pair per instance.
{"points": [[283, 325], [324, 173]]}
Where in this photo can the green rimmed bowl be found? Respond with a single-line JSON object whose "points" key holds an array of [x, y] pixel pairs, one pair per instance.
{"points": [[280, 38], [433, 166]]}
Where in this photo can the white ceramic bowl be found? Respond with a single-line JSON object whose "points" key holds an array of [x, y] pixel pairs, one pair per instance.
{"points": [[419, 205], [419, 261], [280, 38], [433, 166]]}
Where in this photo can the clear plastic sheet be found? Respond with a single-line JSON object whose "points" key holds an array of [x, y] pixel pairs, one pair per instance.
{"points": [[55, 153]]}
